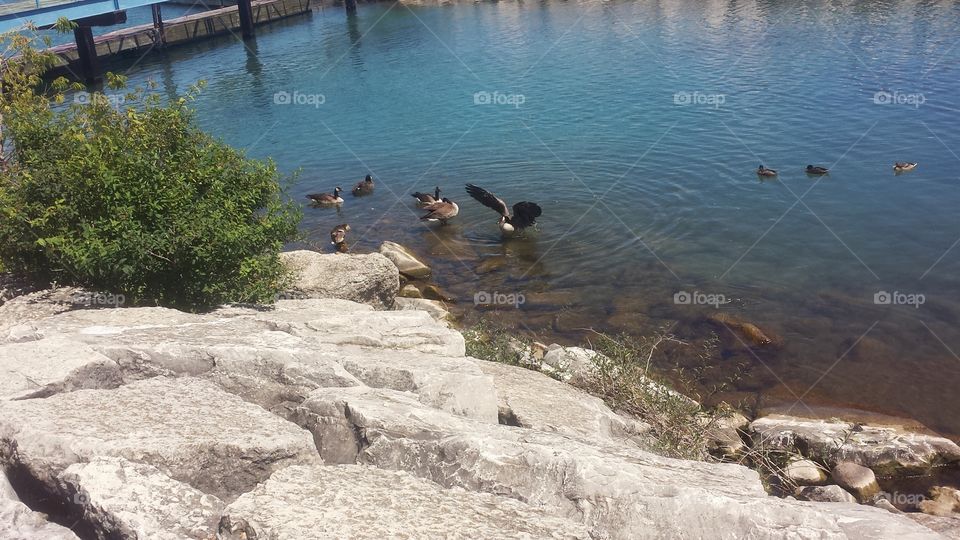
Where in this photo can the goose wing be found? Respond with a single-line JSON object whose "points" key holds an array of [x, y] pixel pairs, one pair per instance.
{"points": [[525, 214], [489, 200]]}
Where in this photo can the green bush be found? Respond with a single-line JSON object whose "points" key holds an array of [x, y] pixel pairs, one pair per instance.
{"points": [[132, 197]]}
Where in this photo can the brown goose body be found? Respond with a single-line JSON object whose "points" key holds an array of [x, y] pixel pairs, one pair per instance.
{"points": [[524, 213], [442, 211], [327, 198], [363, 187]]}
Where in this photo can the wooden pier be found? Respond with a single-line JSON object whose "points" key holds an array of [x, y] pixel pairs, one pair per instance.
{"points": [[189, 28]]}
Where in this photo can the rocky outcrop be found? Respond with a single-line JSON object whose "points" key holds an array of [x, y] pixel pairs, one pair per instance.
{"points": [[888, 450], [152, 423], [357, 502], [369, 279], [406, 262]]}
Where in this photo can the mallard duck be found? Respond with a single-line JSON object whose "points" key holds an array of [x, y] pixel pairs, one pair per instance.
{"points": [[763, 171], [364, 187], [424, 199], [524, 213], [442, 211], [904, 166], [327, 198], [816, 170]]}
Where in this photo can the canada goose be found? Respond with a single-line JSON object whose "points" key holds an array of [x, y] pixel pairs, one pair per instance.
{"points": [[816, 170], [327, 198], [904, 166], [442, 211], [524, 214], [763, 171], [364, 187], [424, 199]]}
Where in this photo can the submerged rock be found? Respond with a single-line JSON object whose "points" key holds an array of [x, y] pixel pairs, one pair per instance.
{"points": [[750, 333], [369, 279], [943, 501], [409, 291], [406, 262], [857, 479], [359, 502], [888, 450], [434, 307]]}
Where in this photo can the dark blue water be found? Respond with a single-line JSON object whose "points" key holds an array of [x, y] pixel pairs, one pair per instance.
{"points": [[638, 128]]}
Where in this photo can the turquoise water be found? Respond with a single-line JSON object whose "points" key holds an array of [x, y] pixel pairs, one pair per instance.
{"points": [[638, 128]]}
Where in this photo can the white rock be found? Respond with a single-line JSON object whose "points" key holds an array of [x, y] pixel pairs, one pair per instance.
{"points": [[831, 493], [17, 522], [433, 307], [616, 491], [886, 449], [190, 429], [407, 263], [533, 400], [122, 499], [370, 279], [805, 472], [351, 501], [571, 364], [48, 366]]}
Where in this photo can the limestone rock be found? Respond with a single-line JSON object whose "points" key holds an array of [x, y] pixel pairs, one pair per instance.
{"points": [[455, 385], [888, 450], [943, 501], [370, 279], [44, 367], [189, 429], [831, 493], [407, 263], [723, 437], [351, 501], [618, 492], [533, 400], [948, 527], [16, 313], [575, 365], [122, 499], [18, 522], [857, 479], [409, 291], [434, 307], [804, 472]]}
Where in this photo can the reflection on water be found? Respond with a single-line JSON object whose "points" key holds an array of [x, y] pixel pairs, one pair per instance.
{"points": [[639, 133]]}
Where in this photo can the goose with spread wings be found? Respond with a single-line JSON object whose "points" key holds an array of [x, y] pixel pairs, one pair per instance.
{"points": [[524, 213]]}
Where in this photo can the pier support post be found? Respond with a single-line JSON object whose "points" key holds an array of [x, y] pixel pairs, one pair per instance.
{"points": [[87, 53], [158, 22], [351, 6], [246, 18]]}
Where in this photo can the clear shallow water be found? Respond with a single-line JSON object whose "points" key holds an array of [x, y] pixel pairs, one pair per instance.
{"points": [[639, 133]]}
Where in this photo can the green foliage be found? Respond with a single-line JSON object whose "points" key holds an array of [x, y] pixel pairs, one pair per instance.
{"points": [[124, 193]]}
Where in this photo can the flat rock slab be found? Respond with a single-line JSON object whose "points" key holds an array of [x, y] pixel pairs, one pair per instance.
{"points": [[122, 499], [357, 502], [48, 366], [617, 491], [533, 400], [887, 450], [189, 429], [369, 279]]}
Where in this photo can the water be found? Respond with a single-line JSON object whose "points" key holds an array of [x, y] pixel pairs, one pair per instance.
{"points": [[639, 131]]}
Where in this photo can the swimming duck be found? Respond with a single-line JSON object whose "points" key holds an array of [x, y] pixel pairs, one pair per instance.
{"points": [[364, 187], [327, 198], [816, 170], [524, 214], [442, 211], [338, 237], [424, 199], [763, 171], [904, 166]]}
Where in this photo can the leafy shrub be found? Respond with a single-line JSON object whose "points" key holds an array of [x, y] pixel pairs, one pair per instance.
{"points": [[133, 199]]}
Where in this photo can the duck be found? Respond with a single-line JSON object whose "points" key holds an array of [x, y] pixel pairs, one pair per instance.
{"points": [[763, 171], [904, 166], [338, 237], [327, 198], [424, 199], [363, 187], [524, 213], [817, 170], [442, 211]]}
